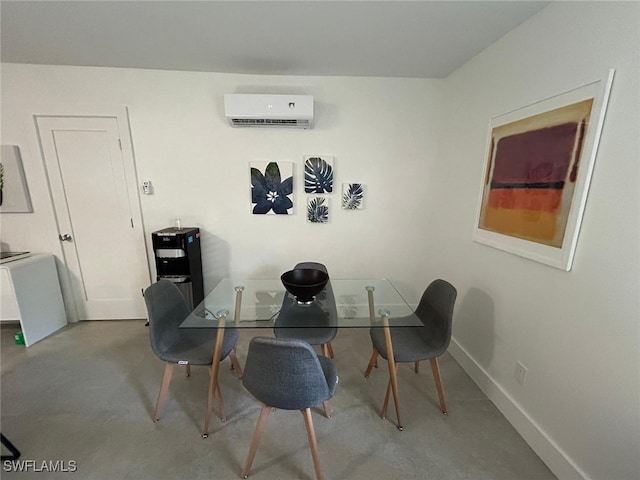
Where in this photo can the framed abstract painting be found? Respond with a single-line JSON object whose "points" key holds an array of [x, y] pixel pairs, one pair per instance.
{"points": [[538, 166]]}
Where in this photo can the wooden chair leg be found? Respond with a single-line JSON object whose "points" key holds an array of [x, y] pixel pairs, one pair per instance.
{"points": [[255, 440], [325, 350], [235, 364], [330, 348], [373, 361], [313, 444], [327, 408], [436, 376], [187, 370], [164, 388], [416, 366]]}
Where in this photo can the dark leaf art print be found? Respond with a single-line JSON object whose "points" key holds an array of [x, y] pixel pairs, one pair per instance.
{"points": [[318, 175], [317, 210], [269, 193], [352, 196]]}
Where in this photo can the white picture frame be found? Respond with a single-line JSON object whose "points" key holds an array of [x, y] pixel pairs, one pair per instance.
{"points": [[507, 220]]}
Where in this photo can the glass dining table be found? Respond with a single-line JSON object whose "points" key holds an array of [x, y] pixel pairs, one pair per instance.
{"points": [[265, 304]]}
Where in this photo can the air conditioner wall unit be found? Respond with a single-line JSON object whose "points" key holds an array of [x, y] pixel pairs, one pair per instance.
{"points": [[265, 110]]}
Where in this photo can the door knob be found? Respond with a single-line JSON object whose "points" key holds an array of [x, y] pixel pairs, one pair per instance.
{"points": [[65, 237]]}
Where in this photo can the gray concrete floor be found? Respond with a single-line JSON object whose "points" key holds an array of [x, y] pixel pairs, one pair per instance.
{"points": [[86, 394]]}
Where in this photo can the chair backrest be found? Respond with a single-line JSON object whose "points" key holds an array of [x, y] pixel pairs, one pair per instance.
{"points": [[284, 373], [435, 310], [166, 308], [314, 265]]}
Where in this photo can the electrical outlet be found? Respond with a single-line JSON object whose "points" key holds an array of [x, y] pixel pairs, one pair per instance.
{"points": [[520, 373], [147, 189]]}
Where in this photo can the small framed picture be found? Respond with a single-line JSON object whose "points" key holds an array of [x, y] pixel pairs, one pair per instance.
{"points": [[317, 210], [353, 195], [318, 174]]}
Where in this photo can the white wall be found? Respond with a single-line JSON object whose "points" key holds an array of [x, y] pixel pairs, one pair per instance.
{"points": [[577, 332], [382, 132]]}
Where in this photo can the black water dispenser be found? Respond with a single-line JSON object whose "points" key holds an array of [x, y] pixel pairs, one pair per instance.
{"points": [[178, 259]]}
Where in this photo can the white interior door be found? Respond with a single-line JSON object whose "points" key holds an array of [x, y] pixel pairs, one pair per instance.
{"points": [[93, 188]]}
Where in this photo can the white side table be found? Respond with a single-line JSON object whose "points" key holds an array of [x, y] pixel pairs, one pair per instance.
{"points": [[31, 294]]}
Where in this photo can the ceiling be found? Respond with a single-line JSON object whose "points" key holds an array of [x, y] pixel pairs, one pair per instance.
{"points": [[425, 39]]}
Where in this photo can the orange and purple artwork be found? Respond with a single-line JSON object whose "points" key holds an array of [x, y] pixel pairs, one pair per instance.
{"points": [[532, 172]]}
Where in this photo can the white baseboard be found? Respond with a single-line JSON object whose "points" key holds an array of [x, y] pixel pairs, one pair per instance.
{"points": [[550, 452]]}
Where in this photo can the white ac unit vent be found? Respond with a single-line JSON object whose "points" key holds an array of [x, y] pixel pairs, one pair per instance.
{"points": [[257, 110]]}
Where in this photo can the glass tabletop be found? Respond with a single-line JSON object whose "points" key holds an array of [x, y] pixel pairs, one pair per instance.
{"points": [[264, 303]]}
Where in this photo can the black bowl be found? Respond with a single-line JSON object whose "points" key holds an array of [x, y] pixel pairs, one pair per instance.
{"points": [[304, 283]]}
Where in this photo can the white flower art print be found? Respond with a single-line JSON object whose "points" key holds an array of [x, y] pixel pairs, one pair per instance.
{"points": [[271, 188]]}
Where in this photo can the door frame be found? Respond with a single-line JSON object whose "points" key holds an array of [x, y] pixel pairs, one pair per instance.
{"points": [[121, 114]]}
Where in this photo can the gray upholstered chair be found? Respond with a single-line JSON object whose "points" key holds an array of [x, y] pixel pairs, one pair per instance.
{"points": [[285, 323], [413, 344], [167, 308], [287, 374]]}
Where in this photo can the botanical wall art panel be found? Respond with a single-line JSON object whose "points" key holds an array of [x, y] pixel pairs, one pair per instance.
{"points": [[271, 187], [352, 196], [538, 167], [14, 192], [318, 209], [318, 174]]}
